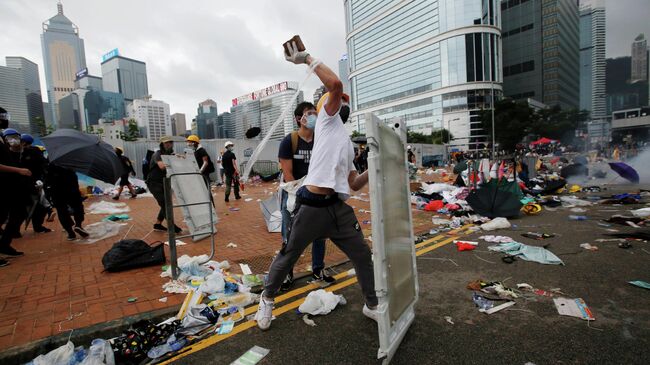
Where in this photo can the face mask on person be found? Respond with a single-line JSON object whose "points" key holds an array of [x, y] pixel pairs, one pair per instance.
{"points": [[13, 141], [229, 148], [311, 121], [191, 146]]}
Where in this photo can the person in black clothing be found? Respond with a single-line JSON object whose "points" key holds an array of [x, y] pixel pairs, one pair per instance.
{"points": [[15, 182], [156, 181], [229, 161], [146, 162], [127, 168], [206, 167], [32, 158], [62, 187]]}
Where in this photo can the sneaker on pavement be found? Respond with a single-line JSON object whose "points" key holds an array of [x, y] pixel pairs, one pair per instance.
{"points": [[71, 236], [264, 314], [82, 232], [10, 251], [3, 262], [370, 313], [322, 276], [159, 227], [42, 230]]}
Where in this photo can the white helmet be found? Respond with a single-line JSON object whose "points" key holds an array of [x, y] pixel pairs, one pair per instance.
{"points": [[229, 143], [408, 147]]}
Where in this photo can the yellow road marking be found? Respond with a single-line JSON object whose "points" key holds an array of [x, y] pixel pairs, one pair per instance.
{"points": [[203, 344]]}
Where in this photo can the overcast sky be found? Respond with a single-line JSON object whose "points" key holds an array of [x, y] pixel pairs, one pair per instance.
{"points": [[202, 49]]}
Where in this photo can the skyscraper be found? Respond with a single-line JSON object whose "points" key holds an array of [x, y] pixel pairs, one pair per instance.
{"points": [[83, 109], [32, 83], [125, 76], [263, 107], [541, 56], [433, 64], [206, 119], [639, 59], [152, 117], [63, 56], [592, 58], [12, 83], [225, 126], [178, 124], [318, 93]]}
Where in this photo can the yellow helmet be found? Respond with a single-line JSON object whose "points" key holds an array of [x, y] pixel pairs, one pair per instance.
{"points": [[575, 189], [193, 138], [531, 209], [322, 99]]}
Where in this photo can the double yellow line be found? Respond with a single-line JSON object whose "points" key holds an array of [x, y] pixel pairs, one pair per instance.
{"points": [[421, 249]]}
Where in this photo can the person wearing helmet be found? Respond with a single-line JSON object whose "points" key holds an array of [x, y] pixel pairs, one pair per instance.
{"points": [[206, 167], [320, 210], [410, 156], [156, 181], [230, 169], [127, 168], [32, 158], [17, 191]]}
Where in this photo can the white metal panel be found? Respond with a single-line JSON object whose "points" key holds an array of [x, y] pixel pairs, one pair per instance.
{"points": [[393, 248], [191, 189]]}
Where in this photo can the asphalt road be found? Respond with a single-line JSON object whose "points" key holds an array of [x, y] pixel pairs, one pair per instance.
{"points": [[531, 331]]}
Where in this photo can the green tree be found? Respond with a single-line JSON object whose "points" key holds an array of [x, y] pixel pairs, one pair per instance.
{"points": [[416, 137], [132, 132], [556, 123], [512, 121], [357, 134], [442, 136]]}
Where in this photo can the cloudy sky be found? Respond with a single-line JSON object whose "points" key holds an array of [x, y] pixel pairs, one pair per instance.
{"points": [[202, 49]]}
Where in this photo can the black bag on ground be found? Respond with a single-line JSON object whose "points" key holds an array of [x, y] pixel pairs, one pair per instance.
{"points": [[131, 254]]}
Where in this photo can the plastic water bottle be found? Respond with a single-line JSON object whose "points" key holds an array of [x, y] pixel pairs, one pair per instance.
{"points": [[578, 217]]}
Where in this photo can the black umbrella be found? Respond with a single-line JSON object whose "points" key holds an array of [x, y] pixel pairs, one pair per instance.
{"points": [[253, 132], [84, 153], [496, 199], [574, 170], [553, 185]]}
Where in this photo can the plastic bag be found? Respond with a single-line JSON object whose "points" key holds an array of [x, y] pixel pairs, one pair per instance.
{"points": [[104, 207], [213, 283], [320, 302], [496, 223], [59, 356], [100, 353], [641, 213]]}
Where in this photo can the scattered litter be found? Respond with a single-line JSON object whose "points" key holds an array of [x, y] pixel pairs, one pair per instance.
{"points": [[604, 224], [466, 245], [252, 356], [625, 245], [321, 302], [132, 299], [101, 231], [178, 243], [117, 217], [578, 210], [573, 308], [225, 327], [245, 269], [574, 201], [496, 223], [610, 240], [578, 217], [528, 253], [233, 209], [497, 239], [308, 321], [589, 247], [231, 245], [449, 320], [499, 308], [163, 300], [248, 199], [538, 236], [104, 207], [640, 284], [641, 213]]}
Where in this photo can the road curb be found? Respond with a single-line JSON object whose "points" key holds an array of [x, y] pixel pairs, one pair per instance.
{"points": [[81, 336]]}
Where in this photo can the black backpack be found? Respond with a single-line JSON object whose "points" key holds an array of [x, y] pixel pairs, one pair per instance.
{"points": [[131, 254]]}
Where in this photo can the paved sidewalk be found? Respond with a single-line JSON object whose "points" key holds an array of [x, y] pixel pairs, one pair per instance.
{"points": [[59, 285]]}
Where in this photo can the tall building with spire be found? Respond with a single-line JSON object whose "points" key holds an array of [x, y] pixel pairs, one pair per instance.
{"points": [[63, 57]]}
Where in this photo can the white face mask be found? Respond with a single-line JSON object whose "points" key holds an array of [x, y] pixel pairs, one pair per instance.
{"points": [[13, 141]]}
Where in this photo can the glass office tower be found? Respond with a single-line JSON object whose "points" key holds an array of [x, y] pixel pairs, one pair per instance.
{"points": [[431, 63]]}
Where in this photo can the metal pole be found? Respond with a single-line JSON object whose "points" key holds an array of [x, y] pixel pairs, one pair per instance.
{"points": [[171, 228], [493, 137]]}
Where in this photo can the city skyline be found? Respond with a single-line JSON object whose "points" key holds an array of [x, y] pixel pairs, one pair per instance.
{"points": [[217, 72]]}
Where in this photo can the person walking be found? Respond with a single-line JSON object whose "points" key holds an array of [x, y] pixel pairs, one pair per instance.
{"points": [[230, 169], [62, 186], [17, 191], [206, 167], [32, 159], [156, 181], [294, 155], [320, 211], [127, 168], [220, 168]]}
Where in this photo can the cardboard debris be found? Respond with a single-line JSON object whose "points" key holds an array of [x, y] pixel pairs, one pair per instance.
{"points": [[573, 308]]}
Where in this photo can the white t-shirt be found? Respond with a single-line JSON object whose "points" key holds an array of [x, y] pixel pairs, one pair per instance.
{"points": [[332, 157]]}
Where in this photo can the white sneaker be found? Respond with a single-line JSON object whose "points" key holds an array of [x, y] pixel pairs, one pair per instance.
{"points": [[264, 314], [370, 313]]}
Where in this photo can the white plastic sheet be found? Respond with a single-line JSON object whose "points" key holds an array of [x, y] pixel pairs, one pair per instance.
{"points": [[320, 302], [104, 207]]}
